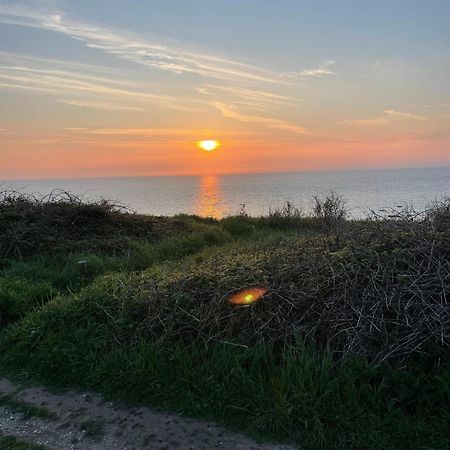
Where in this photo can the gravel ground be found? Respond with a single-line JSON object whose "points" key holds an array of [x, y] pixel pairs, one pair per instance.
{"points": [[84, 421]]}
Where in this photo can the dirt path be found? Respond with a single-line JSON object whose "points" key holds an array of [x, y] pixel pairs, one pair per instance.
{"points": [[84, 421]]}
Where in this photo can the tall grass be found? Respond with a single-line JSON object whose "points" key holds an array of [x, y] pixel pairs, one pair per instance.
{"points": [[295, 395]]}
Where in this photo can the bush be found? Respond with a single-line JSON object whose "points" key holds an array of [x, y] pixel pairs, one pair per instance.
{"points": [[439, 215], [238, 226], [286, 217], [63, 223], [331, 213], [382, 295]]}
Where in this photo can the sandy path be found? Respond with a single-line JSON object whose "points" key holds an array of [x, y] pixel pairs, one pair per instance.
{"points": [[85, 421]]}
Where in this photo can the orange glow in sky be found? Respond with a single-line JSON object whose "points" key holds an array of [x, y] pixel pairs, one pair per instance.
{"points": [[90, 92]]}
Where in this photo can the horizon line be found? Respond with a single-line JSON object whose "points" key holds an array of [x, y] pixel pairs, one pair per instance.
{"points": [[365, 169]]}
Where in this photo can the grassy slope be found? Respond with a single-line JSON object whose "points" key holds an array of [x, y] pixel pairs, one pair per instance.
{"points": [[164, 336]]}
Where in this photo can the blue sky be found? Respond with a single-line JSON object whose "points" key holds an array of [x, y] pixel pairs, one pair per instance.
{"points": [[318, 84]]}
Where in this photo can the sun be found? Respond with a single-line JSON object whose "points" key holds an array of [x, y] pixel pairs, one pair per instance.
{"points": [[208, 145]]}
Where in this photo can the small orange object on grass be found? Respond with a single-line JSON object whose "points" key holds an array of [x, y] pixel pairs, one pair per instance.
{"points": [[247, 296]]}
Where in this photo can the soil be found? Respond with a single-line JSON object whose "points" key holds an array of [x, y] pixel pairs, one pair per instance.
{"points": [[85, 421]]}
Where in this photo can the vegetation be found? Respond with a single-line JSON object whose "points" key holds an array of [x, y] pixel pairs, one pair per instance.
{"points": [[12, 403], [348, 349], [12, 443]]}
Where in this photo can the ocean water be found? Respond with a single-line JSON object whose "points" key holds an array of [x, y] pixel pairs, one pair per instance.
{"points": [[222, 195]]}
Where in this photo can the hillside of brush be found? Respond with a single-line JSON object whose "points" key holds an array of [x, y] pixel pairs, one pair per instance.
{"points": [[349, 347], [64, 222]]}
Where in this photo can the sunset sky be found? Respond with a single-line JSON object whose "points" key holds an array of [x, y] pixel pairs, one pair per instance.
{"points": [[122, 88]]}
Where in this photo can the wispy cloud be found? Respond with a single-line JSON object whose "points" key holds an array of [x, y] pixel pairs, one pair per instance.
{"points": [[437, 110], [244, 94], [26, 87], [323, 69], [232, 112], [438, 105], [387, 117], [151, 132], [241, 91], [100, 105], [94, 90], [138, 136], [143, 132], [158, 55]]}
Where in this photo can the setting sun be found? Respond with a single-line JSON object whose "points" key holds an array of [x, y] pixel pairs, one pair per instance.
{"points": [[208, 145]]}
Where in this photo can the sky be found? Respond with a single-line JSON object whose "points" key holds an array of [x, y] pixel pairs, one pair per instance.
{"points": [[94, 88]]}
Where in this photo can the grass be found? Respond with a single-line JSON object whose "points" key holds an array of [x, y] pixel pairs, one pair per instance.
{"points": [[348, 350], [298, 396], [29, 283], [12, 403], [12, 443]]}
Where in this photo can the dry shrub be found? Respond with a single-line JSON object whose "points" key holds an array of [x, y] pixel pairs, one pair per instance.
{"points": [[331, 213], [439, 214], [63, 222], [287, 211], [382, 295]]}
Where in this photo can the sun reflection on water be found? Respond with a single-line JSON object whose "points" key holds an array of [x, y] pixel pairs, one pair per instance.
{"points": [[209, 201]]}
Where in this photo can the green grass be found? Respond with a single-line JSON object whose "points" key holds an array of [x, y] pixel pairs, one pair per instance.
{"points": [[12, 443], [19, 295], [28, 283], [110, 338], [297, 395], [27, 410], [327, 359], [25, 285]]}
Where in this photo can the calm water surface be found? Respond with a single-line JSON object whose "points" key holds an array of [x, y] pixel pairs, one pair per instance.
{"points": [[221, 195]]}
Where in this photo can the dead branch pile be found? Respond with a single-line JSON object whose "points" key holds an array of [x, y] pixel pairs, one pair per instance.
{"points": [[63, 222], [383, 293]]}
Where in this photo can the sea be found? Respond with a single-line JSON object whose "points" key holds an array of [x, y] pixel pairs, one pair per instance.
{"points": [[365, 191]]}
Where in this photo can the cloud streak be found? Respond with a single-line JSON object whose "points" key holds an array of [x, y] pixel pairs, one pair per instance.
{"points": [[245, 94], [240, 91], [323, 69], [230, 111], [100, 105], [154, 54], [92, 90], [387, 117], [165, 133]]}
